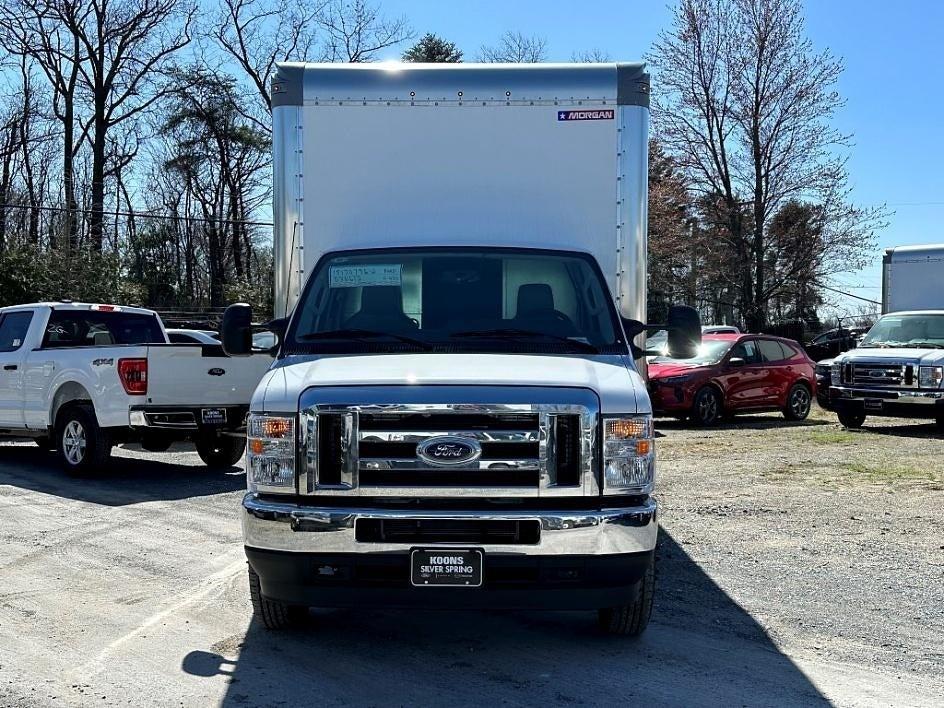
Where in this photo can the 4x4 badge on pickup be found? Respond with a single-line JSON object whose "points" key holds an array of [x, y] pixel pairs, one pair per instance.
{"points": [[448, 450]]}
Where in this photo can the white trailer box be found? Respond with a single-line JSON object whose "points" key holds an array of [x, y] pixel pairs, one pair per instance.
{"points": [[913, 278], [541, 156]]}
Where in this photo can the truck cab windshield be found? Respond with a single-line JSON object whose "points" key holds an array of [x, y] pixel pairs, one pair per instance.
{"points": [[920, 331], [469, 299]]}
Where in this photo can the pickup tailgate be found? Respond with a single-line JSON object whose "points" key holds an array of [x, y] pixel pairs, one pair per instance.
{"points": [[202, 375]]}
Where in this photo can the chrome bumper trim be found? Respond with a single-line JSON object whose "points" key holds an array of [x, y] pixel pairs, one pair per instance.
{"points": [[310, 529], [890, 394]]}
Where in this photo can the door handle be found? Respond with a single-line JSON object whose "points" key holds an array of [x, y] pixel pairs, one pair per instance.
{"points": [[9, 367]]}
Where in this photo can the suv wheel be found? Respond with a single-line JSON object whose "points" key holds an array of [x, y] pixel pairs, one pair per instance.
{"points": [[708, 407], [799, 401], [84, 446], [851, 419], [221, 452], [631, 620], [272, 613]]}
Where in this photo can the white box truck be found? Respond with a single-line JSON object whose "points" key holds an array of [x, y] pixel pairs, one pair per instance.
{"points": [[898, 368], [456, 417]]}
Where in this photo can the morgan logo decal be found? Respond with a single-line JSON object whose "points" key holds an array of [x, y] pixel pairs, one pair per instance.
{"points": [[607, 114], [448, 450]]}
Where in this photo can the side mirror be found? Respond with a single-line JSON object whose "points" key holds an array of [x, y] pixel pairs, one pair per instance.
{"points": [[736, 362], [684, 328], [236, 330]]}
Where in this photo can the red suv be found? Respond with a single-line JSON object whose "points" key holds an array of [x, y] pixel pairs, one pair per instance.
{"points": [[733, 373]]}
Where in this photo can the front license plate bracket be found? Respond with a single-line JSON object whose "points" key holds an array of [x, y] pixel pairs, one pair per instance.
{"points": [[446, 567]]}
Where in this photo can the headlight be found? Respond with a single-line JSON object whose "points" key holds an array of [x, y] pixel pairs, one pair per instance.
{"points": [[271, 453], [674, 380], [629, 455], [930, 376], [835, 373]]}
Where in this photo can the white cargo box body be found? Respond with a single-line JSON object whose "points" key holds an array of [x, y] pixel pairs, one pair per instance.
{"points": [[913, 278], [533, 156]]}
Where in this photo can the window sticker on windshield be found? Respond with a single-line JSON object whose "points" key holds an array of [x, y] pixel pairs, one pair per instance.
{"points": [[364, 276]]}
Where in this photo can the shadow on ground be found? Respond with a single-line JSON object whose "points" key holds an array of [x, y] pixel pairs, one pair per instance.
{"points": [[701, 649], [128, 480]]}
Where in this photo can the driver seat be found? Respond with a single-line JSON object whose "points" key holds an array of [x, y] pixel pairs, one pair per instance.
{"points": [[536, 311]]}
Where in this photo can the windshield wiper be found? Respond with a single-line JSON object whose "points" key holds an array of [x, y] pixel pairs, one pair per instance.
{"points": [[362, 335], [925, 345], [512, 333]]}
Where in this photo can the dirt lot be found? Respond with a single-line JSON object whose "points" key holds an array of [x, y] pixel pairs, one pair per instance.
{"points": [[799, 565]]}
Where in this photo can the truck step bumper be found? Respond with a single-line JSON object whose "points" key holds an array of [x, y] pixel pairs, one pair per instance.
{"points": [[509, 582]]}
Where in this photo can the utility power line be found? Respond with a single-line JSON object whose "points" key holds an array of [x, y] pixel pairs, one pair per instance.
{"points": [[136, 215]]}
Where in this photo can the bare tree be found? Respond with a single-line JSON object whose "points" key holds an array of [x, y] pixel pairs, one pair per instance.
{"points": [[259, 33], [515, 48], [591, 56], [745, 106], [356, 31], [128, 45], [33, 28]]}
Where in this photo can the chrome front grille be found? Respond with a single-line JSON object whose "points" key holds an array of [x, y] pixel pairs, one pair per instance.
{"points": [[352, 445], [881, 374]]}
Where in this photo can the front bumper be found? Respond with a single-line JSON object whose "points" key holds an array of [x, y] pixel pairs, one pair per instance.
{"points": [[896, 403], [581, 559]]}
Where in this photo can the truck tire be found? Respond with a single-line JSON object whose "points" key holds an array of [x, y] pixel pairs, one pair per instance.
{"points": [[220, 452], [708, 408], [272, 613], [631, 620], [84, 446], [851, 419], [799, 401]]}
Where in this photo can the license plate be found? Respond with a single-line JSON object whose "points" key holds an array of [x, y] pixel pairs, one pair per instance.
{"points": [[446, 568], [213, 416], [873, 404]]}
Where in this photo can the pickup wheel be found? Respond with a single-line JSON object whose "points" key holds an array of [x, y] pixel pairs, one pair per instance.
{"points": [[274, 614], [707, 408], [84, 446], [851, 419], [799, 400], [221, 452], [631, 620]]}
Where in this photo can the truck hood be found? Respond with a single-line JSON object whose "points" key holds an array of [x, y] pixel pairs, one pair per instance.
{"points": [[617, 384], [925, 357]]}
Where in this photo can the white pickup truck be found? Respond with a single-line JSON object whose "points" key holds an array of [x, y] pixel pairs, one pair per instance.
{"points": [[81, 378]]}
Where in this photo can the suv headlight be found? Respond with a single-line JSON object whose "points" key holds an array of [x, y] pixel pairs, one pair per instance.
{"points": [[930, 376], [270, 453], [629, 455]]}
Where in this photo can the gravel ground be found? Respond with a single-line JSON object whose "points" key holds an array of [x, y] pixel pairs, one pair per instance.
{"points": [[799, 565]]}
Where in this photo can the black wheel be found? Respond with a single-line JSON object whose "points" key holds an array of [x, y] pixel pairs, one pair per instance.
{"points": [[799, 400], [272, 613], [221, 452], [708, 407], [84, 446], [851, 419], [631, 620]]}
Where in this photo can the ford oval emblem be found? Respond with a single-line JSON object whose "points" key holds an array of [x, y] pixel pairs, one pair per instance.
{"points": [[216, 372], [448, 450]]}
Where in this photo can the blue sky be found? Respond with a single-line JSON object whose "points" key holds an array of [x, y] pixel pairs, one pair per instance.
{"points": [[893, 85]]}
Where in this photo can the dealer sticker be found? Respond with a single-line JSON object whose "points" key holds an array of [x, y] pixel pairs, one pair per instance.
{"points": [[605, 114], [364, 276]]}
